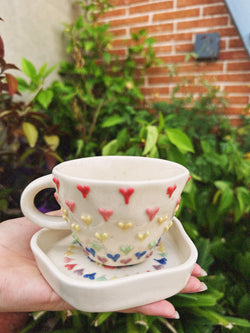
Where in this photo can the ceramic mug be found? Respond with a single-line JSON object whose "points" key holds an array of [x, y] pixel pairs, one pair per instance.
{"points": [[117, 207]]}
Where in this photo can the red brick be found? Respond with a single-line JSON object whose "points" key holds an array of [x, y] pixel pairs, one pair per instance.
{"points": [[151, 7], [116, 3], [226, 32], [167, 79], [209, 22], [128, 21], [185, 3], [229, 55], [235, 42], [174, 37], [229, 77], [238, 99], [118, 32], [176, 14], [215, 10], [184, 47], [201, 67], [238, 66], [154, 28], [230, 110], [243, 89], [163, 49], [156, 90], [119, 53], [173, 58], [158, 71], [235, 122], [114, 12], [191, 89]]}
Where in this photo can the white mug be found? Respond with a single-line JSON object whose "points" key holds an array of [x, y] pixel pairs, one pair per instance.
{"points": [[117, 207]]}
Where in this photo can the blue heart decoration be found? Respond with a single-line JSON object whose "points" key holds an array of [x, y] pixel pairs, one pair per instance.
{"points": [[90, 276], [162, 261], [113, 257], [140, 254], [91, 251]]}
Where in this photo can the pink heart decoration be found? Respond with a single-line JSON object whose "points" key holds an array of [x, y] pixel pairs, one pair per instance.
{"points": [[171, 190], [127, 194], [56, 196], [71, 205], [67, 259], [106, 213], [56, 181], [103, 260], [152, 212], [84, 190], [178, 201], [125, 261]]}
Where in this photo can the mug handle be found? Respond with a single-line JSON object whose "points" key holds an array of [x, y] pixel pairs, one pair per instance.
{"points": [[31, 212]]}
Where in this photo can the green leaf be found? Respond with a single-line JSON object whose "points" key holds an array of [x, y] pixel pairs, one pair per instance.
{"points": [[107, 57], [112, 121], [28, 68], [180, 140], [110, 148], [44, 97], [226, 200], [31, 133], [3, 205], [151, 139], [101, 317], [52, 141]]}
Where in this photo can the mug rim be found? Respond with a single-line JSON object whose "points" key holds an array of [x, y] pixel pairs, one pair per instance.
{"points": [[58, 172]]}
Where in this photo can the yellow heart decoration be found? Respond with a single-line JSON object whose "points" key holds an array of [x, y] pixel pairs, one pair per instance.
{"points": [[75, 226], [125, 226], [87, 219], [141, 237], [102, 237], [162, 219], [168, 226]]}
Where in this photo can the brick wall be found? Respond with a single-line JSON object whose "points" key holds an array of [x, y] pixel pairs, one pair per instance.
{"points": [[174, 25]]}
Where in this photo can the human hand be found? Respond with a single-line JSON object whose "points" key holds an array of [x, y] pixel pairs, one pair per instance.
{"points": [[23, 288]]}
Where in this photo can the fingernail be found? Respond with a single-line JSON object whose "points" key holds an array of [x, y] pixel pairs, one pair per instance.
{"points": [[203, 287], [203, 273], [176, 316]]}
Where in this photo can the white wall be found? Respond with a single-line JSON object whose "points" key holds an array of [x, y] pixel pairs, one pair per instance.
{"points": [[33, 29]]}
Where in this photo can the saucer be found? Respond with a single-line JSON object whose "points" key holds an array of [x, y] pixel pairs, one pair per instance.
{"points": [[92, 287]]}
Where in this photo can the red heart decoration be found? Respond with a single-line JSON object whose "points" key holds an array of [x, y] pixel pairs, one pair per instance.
{"points": [[152, 212], [84, 190], [171, 190], [125, 261], [106, 213], [103, 260], [127, 194], [71, 205], [189, 177], [56, 181], [70, 266]]}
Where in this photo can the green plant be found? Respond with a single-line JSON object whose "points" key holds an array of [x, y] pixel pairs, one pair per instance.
{"points": [[28, 140]]}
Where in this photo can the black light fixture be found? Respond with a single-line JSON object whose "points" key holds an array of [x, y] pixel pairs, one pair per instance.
{"points": [[207, 46]]}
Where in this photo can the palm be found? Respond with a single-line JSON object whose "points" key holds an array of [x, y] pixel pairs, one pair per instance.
{"points": [[22, 287]]}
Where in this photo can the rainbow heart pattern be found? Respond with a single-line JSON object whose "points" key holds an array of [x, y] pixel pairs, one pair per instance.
{"points": [[96, 246], [84, 268]]}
